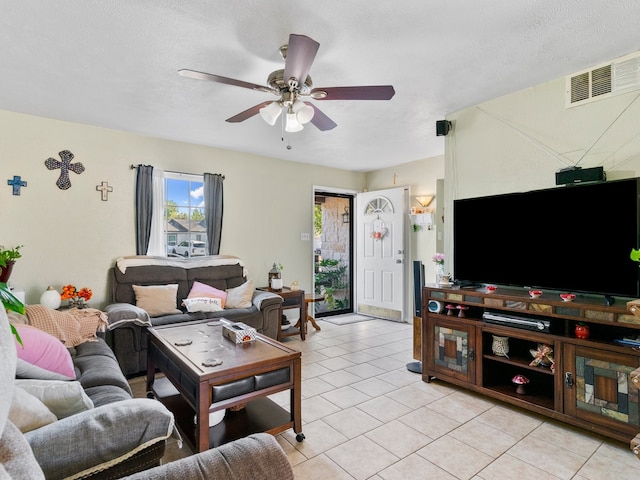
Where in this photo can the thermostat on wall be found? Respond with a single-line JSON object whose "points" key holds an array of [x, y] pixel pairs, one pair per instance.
{"points": [[434, 306]]}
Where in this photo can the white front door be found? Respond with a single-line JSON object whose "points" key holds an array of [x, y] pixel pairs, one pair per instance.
{"points": [[381, 270]]}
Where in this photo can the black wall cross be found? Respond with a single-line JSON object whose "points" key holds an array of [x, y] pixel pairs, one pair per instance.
{"points": [[64, 182]]}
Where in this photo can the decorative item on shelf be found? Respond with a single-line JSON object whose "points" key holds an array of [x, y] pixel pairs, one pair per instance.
{"points": [[634, 307], [438, 259], [461, 309], [543, 357], [582, 330], [51, 298], [275, 277], [500, 346], [567, 297], [8, 257], [77, 298], [535, 293], [450, 308], [295, 286], [490, 288], [520, 381]]}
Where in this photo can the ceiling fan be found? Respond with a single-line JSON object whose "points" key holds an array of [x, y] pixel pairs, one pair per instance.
{"points": [[292, 83]]}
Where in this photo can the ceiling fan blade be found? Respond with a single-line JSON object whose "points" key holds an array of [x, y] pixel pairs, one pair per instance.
{"points": [[320, 120], [248, 113], [219, 79], [301, 52], [371, 92]]}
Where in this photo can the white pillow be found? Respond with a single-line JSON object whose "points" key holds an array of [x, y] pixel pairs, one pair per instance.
{"points": [[62, 398], [27, 412], [240, 296], [157, 300], [203, 304]]}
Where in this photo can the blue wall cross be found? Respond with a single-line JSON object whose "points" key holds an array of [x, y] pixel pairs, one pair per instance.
{"points": [[16, 183]]}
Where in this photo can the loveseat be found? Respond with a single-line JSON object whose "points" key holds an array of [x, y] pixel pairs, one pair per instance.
{"points": [[71, 447], [127, 321]]}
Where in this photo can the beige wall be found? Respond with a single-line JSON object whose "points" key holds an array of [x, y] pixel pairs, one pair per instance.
{"points": [[73, 237], [518, 142]]}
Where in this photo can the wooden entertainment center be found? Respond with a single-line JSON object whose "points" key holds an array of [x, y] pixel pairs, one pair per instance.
{"points": [[593, 383]]}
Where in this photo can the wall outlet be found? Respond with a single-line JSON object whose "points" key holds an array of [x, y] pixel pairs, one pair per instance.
{"points": [[305, 236]]}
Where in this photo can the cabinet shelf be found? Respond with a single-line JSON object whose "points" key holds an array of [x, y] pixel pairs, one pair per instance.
{"points": [[518, 362], [531, 397]]}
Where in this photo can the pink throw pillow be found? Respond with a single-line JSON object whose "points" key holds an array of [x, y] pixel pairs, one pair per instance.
{"points": [[44, 350], [199, 290]]}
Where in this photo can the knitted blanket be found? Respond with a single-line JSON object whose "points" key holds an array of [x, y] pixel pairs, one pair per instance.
{"points": [[71, 327]]}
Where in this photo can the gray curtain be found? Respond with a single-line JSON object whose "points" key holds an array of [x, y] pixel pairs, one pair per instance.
{"points": [[213, 201], [144, 207]]}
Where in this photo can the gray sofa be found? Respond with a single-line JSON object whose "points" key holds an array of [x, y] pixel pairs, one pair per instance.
{"points": [[128, 338], [96, 443]]}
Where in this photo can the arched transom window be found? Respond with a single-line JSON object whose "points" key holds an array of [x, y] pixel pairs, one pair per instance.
{"points": [[378, 205]]}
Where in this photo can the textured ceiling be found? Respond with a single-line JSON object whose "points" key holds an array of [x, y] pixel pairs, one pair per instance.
{"points": [[113, 63]]}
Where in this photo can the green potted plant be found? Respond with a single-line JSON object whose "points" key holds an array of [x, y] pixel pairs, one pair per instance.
{"points": [[8, 257], [11, 302]]}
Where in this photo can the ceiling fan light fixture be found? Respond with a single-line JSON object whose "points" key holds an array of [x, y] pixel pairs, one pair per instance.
{"points": [[271, 112], [304, 113], [292, 125]]}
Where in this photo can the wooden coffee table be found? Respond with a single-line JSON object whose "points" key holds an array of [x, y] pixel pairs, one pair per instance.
{"points": [[247, 375]]}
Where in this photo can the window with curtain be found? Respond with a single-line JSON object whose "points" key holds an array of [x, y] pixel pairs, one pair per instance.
{"points": [[178, 213], [185, 227]]}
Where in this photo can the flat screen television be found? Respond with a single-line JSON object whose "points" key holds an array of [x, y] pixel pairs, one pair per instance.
{"points": [[574, 239]]}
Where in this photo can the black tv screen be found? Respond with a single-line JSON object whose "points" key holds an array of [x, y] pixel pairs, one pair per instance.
{"points": [[574, 239]]}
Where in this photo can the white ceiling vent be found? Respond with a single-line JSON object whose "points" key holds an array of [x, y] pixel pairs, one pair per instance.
{"points": [[620, 76]]}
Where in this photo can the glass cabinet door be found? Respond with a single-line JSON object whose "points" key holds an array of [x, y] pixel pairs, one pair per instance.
{"points": [[599, 386], [453, 350]]}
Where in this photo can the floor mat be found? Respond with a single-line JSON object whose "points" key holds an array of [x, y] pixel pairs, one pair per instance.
{"points": [[346, 319]]}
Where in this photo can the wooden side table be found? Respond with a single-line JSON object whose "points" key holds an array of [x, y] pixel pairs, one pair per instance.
{"points": [[290, 299], [312, 298]]}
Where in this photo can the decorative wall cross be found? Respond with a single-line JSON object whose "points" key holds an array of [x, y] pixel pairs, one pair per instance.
{"points": [[64, 182], [16, 183], [104, 189]]}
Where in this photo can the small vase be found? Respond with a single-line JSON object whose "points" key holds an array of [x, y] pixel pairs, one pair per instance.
{"points": [[77, 302], [50, 298], [500, 346], [439, 272]]}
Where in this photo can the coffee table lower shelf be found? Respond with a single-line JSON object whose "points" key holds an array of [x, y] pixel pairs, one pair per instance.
{"points": [[260, 415]]}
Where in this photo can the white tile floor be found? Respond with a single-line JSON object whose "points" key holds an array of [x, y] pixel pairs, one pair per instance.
{"points": [[366, 417]]}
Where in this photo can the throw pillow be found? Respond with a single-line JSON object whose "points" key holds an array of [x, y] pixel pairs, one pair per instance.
{"points": [[44, 350], [203, 304], [157, 299], [199, 290], [240, 297], [62, 398], [27, 412]]}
